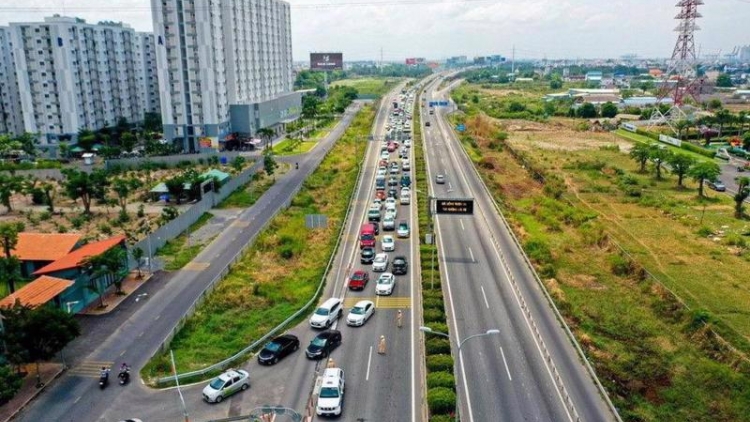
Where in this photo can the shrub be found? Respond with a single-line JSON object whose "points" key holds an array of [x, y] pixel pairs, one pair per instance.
{"points": [[437, 346], [45, 215], [432, 300], [441, 418], [141, 212], [436, 363], [441, 400], [439, 327], [105, 229], [705, 231], [77, 222], [538, 251], [441, 379], [431, 315]]}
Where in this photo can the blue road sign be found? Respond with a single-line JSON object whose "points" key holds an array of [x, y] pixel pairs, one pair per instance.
{"points": [[461, 127], [443, 103]]}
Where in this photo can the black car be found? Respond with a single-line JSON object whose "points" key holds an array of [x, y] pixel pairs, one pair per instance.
{"points": [[392, 193], [400, 266], [367, 255], [322, 345], [278, 348], [392, 181]]}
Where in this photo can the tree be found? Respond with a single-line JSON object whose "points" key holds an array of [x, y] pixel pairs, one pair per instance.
{"points": [[746, 141], [64, 150], [9, 184], [238, 163], [152, 122], [743, 191], [112, 263], [587, 111], [609, 110], [34, 335], [123, 188], [269, 163], [49, 193], [310, 105], [641, 153], [714, 104], [10, 266], [176, 187], [659, 155], [555, 83], [646, 86], [681, 164], [724, 81], [10, 383], [86, 186], [266, 134], [703, 171], [137, 257], [128, 141], [723, 117], [86, 139], [681, 125]]}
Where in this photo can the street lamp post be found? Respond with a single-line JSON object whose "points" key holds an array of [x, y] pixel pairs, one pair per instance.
{"points": [[429, 330]]}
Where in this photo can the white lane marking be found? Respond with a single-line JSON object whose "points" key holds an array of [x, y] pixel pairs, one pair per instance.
{"points": [[487, 304], [77, 400], [462, 224], [472, 255], [369, 361], [123, 352], [507, 369]]}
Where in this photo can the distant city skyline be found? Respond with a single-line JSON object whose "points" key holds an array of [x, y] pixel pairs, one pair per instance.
{"points": [[437, 29]]}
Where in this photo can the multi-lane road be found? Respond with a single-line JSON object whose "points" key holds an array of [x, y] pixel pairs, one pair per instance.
{"points": [[529, 371]]}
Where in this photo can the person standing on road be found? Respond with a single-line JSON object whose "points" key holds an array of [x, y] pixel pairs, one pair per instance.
{"points": [[381, 346], [399, 318]]}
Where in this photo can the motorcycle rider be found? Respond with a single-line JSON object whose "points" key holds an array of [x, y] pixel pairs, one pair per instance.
{"points": [[104, 372]]}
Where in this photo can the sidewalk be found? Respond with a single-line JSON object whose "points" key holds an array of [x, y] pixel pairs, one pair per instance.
{"points": [[47, 373], [111, 299]]}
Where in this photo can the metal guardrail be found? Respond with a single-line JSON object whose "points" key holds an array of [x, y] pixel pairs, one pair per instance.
{"points": [[558, 315], [226, 362]]}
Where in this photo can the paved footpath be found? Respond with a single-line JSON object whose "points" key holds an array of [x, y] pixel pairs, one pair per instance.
{"points": [[136, 329]]}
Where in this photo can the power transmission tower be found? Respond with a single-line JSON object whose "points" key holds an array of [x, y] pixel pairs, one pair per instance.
{"points": [[681, 78]]}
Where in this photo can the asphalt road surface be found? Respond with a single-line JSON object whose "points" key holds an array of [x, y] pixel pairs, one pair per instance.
{"points": [[529, 371], [144, 322]]}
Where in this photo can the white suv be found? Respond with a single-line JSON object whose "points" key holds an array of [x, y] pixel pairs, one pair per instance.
{"points": [[331, 395], [328, 312]]}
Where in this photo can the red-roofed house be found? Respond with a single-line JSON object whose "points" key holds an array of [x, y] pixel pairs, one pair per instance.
{"points": [[61, 263]]}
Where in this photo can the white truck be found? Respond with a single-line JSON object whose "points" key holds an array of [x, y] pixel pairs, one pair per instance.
{"points": [[331, 394]]}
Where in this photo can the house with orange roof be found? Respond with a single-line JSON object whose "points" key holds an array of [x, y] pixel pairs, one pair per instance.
{"points": [[64, 276]]}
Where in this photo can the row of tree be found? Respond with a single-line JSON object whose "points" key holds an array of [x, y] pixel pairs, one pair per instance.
{"points": [[683, 165]]}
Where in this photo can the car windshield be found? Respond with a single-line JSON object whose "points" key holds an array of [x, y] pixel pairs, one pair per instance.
{"points": [[379, 259], [319, 342], [403, 225], [358, 311], [217, 383], [385, 281], [329, 393], [321, 311], [368, 237], [273, 347]]}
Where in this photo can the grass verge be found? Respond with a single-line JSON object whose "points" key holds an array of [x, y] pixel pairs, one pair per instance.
{"points": [[369, 86], [176, 253], [280, 272], [248, 194], [597, 244], [292, 146]]}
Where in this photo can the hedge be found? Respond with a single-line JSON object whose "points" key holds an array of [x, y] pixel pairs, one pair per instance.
{"points": [[698, 150], [441, 400], [437, 363], [433, 314], [441, 379], [438, 346], [441, 418]]}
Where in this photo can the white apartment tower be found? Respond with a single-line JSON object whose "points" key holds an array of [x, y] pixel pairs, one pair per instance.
{"points": [[72, 75], [225, 66], [10, 104], [148, 82]]}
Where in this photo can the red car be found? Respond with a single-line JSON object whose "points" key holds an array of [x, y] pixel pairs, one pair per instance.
{"points": [[359, 280], [380, 194], [391, 147]]}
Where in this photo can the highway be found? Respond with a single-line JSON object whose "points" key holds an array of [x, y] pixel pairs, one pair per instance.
{"points": [[530, 371], [138, 329]]}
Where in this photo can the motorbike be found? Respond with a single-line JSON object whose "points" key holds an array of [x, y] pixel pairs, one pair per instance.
{"points": [[103, 380], [124, 376], [296, 166]]}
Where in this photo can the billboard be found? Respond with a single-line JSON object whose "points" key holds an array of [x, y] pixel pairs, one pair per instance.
{"points": [[454, 206], [326, 61], [414, 61]]}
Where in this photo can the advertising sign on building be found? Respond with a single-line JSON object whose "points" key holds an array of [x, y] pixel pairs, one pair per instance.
{"points": [[326, 61], [670, 140]]}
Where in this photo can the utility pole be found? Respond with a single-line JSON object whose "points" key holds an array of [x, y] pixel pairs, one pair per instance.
{"points": [[513, 62]]}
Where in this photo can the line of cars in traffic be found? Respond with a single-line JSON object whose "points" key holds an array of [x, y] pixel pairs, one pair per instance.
{"points": [[393, 188]]}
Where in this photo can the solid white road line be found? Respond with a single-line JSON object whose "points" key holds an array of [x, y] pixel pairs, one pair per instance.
{"points": [[462, 224], [487, 304], [369, 361], [507, 369], [472, 255]]}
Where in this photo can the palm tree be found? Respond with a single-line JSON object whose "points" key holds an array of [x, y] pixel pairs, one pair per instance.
{"points": [[681, 125], [723, 117], [266, 134]]}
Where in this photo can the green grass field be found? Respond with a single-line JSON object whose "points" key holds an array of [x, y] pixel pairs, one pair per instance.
{"points": [[369, 86], [179, 251], [248, 194]]}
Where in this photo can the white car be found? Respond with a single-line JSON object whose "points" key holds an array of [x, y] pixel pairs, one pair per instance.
{"points": [[387, 244], [377, 203], [403, 229], [389, 223], [380, 263], [385, 284], [390, 203], [407, 143], [384, 155], [226, 384], [382, 171], [360, 313], [390, 212]]}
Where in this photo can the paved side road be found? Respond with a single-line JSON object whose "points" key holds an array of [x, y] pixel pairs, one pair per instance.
{"points": [[133, 334]]}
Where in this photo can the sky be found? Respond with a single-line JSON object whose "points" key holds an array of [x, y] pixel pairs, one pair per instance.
{"points": [[437, 29]]}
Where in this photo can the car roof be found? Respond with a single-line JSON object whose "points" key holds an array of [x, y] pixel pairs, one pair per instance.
{"points": [[363, 303], [399, 258], [382, 254], [286, 337], [328, 333], [359, 272]]}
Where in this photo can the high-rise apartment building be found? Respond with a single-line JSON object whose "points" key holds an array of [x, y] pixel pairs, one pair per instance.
{"points": [[72, 75], [10, 103], [225, 66], [148, 82]]}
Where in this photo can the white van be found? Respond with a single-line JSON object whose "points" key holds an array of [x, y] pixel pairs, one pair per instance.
{"points": [[329, 311]]}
